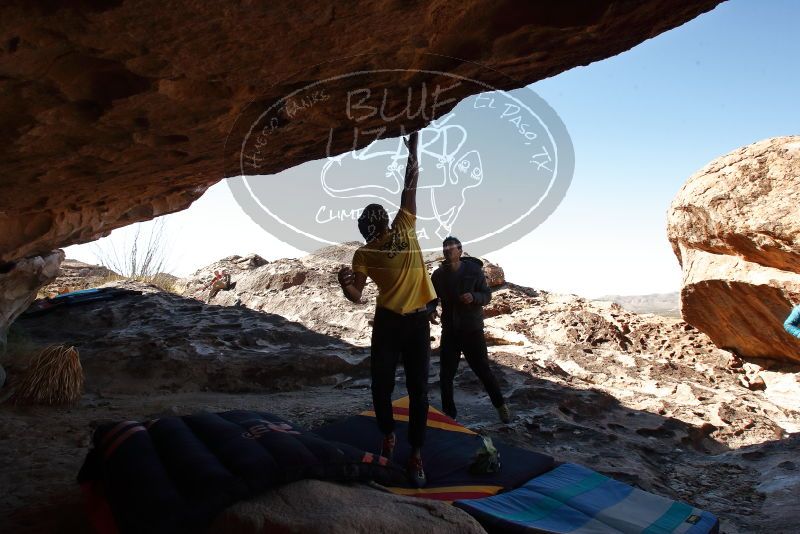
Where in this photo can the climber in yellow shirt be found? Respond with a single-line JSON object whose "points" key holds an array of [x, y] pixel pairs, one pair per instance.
{"points": [[392, 258]]}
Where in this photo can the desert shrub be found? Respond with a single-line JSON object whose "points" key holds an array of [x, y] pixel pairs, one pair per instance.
{"points": [[142, 254]]}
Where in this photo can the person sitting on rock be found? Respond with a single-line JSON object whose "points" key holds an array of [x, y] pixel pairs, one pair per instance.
{"points": [[221, 281], [461, 286], [392, 258], [792, 323]]}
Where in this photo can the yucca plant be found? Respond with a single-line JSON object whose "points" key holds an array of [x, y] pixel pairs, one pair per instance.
{"points": [[54, 377]]}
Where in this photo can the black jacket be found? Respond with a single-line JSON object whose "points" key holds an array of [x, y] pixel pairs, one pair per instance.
{"points": [[450, 285]]}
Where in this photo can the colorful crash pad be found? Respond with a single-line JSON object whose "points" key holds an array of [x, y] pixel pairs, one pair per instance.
{"points": [[73, 298], [572, 499], [447, 454]]}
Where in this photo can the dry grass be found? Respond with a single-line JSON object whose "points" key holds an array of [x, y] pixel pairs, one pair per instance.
{"points": [[54, 377], [108, 278], [163, 281]]}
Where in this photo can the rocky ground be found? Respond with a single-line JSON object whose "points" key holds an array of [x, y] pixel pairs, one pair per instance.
{"points": [[666, 304], [74, 275], [648, 400]]}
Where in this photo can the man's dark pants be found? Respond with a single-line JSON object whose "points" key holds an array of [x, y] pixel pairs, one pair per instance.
{"points": [[395, 336], [473, 344]]}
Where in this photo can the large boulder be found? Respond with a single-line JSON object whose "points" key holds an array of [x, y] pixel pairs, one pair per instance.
{"points": [[315, 506], [155, 341], [304, 290], [495, 276], [19, 283], [117, 112], [735, 228], [74, 275]]}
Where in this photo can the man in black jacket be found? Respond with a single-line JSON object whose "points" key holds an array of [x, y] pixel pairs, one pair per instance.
{"points": [[461, 286]]}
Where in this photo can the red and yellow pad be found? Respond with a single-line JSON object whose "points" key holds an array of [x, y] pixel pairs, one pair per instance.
{"points": [[447, 454]]}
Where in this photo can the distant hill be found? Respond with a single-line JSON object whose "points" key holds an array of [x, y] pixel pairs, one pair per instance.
{"points": [[664, 304]]}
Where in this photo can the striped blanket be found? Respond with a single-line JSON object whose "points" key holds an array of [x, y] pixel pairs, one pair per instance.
{"points": [[576, 500]]}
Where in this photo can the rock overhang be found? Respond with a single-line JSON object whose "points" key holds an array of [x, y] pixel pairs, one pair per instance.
{"points": [[120, 112]]}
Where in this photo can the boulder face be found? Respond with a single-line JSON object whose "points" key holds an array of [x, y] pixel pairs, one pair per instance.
{"points": [[156, 341], [74, 275], [495, 276], [119, 112], [735, 228], [19, 283], [306, 505], [303, 290]]}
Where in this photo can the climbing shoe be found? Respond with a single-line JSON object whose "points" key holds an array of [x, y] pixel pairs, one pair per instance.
{"points": [[387, 447], [505, 413], [416, 474], [486, 459]]}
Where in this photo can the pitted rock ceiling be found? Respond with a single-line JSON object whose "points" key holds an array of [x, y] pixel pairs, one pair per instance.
{"points": [[117, 112]]}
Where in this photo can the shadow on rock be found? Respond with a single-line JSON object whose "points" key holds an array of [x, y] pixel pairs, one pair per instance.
{"points": [[162, 342]]}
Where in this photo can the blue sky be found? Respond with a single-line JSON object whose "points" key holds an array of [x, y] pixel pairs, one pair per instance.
{"points": [[641, 123]]}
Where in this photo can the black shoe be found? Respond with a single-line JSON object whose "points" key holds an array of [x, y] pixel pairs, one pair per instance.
{"points": [[416, 474], [387, 447], [505, 413]]}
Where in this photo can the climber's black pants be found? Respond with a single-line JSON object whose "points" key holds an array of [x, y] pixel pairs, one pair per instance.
{"points": [[473, 345], [395, 336]]}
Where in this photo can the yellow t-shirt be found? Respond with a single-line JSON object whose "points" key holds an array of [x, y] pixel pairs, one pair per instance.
{"points": [[395, 264]]}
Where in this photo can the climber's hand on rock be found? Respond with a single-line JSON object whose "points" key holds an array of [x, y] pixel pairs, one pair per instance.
{"points": [[346, 277]]}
